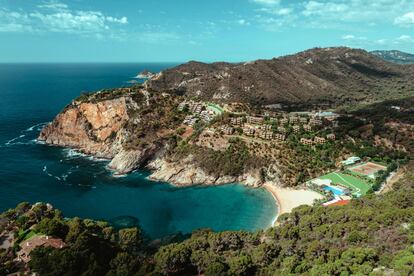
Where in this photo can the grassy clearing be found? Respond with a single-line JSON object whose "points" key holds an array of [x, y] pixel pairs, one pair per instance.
{"points": [[349, 181]]}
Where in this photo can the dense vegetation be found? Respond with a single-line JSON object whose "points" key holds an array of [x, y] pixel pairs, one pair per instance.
{"points": [[233, 161], [372, 235]]}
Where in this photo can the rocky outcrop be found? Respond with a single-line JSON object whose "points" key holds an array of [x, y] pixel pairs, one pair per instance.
{"points": [[92, 128], [186, 173]]}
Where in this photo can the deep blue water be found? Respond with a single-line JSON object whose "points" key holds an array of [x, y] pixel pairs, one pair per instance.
{"points": [[32, 94]]}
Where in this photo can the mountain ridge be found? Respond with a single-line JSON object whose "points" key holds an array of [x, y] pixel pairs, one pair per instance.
{"points": [[333, 76], [395, 56]]}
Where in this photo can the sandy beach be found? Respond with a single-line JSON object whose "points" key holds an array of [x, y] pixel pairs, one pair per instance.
{"points": [[288, 199]]}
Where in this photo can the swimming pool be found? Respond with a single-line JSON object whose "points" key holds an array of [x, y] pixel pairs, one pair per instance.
{"points": [[335, 190]]}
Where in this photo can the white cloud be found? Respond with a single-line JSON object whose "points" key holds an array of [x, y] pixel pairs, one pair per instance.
{"points": [[353, 37], [267, 2], [404, 39], [405, 20], [336, 14], [348, 37], [243, 22], [55, 16], [320, 8], [53, 5]]}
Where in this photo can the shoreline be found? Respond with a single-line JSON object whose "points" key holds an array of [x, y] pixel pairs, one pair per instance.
{"points": [[287, 199]]}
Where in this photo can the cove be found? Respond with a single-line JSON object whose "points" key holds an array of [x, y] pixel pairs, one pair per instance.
{"points": [[82, 186]]}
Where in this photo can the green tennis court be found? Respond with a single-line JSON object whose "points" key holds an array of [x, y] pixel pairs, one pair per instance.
{"points": [[349, 181]]}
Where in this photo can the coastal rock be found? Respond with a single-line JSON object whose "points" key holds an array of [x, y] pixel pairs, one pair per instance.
{"points": [[128, 160], [186, 173], [92, 128]]}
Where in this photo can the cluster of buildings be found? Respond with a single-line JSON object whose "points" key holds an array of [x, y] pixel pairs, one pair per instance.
{"points": [[317, 140], [199, 111], [261, 126]]}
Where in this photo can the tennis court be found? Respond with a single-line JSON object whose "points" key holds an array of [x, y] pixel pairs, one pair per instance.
{"points": [[368, 169], [352, 182]]}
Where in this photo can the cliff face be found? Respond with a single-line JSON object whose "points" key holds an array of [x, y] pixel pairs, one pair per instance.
{"points": [[93, 128]]}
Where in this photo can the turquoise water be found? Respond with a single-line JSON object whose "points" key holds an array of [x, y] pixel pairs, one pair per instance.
{"points": [[32, 94], [335, 191]]}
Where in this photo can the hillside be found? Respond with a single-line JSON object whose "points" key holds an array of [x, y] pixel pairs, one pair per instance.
{"points": [[395, 56], [327, 76]]}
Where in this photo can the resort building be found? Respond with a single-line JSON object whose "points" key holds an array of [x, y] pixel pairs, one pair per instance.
{"points": [[296, 129], [249, 131], [305, 141], [267, 135], [190, 120], [307, 127], [331, 137], [281, 129], [238, 121], [351, 160], [280, 137], [266, 127], [227, 130], [293, 119], [303, 120], [195, 107], [255, 120], [319, 140]]}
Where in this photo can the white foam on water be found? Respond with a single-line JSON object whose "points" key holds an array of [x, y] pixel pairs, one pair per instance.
{"points": [[38, 127], [73, 154], [12, 141], [49, 174]]}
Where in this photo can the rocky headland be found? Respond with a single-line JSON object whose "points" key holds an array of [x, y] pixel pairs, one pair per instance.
{"points": [[107, 127]]}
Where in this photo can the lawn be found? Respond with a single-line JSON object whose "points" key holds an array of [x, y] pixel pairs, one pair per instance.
{"points": [[349, 181], [25, 235]]}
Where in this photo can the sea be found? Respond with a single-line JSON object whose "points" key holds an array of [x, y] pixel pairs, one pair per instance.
{"points": [[81, 186]]}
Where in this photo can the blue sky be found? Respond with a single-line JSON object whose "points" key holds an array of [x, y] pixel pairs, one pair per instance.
{"points": [[182, 30]]}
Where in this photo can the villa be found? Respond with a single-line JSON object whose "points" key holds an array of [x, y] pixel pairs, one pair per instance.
{"points": [[37, 241]]}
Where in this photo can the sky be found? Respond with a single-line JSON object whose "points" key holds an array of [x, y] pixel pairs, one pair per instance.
{"points": [[183, 30]]}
